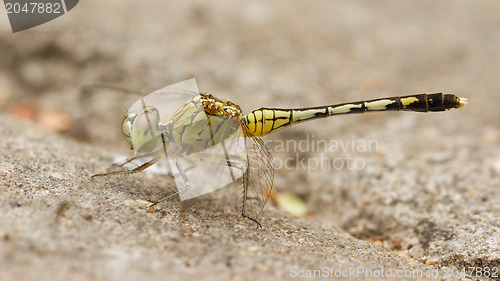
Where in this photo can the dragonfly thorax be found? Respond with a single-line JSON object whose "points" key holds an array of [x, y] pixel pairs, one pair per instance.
{"points": [[203, 122], [218, 107]]}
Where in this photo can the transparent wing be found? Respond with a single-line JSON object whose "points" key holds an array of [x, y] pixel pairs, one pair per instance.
{"points": [[220, 162], [148, 139], [168, 99], [258, 179]]}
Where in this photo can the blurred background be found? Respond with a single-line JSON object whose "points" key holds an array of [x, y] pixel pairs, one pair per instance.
{"points": [[77, 76]]}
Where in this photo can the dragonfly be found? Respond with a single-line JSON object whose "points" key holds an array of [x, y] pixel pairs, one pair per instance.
{"points": [[208, 143]]}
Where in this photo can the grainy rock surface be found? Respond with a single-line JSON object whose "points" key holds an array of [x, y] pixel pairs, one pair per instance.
{"points": [[386, 192]]}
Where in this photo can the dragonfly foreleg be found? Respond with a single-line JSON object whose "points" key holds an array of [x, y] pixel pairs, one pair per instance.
{"points": [[155, 157]]}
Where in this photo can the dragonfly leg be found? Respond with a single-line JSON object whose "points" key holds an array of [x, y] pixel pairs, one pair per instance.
{"points": [[186, 182], [235, 161], [136, 169], [241, 163]]}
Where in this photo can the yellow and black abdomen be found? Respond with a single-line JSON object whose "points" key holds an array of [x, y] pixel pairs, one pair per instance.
{"points": [[267, 120]]}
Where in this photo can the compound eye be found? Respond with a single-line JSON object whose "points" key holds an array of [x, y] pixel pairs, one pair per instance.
{"points": [[127, 129]]}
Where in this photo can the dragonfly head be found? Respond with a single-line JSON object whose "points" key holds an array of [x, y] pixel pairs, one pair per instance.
{"points": [[127, 128], [141, 131]]}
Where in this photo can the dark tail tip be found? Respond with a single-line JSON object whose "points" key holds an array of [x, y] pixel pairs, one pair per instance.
{"points": [[452, 101], [442, 102]]}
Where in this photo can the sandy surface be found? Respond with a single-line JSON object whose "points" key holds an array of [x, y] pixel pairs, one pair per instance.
{"points": [[422, 198]]}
